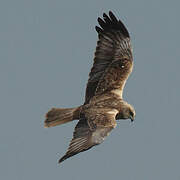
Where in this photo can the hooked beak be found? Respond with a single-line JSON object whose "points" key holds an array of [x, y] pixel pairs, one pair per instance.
{"points": [[132, 119]]}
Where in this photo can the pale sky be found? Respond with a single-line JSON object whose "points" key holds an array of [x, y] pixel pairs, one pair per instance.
{"points": [[47, 49]]}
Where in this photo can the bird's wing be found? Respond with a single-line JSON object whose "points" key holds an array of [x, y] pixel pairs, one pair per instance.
{"points": [[113, 47], [114, 78], [90, 131]]}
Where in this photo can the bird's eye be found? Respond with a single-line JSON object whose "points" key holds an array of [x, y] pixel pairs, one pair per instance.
{"points": [[131, 113]]}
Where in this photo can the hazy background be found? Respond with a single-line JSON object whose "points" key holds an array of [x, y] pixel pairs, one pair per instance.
{"points": [[46, 52]]}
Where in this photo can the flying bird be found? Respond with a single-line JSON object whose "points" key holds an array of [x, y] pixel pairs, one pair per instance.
{"points": [[104, 104]]}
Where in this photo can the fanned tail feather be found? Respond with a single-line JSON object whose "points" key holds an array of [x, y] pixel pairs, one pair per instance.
{"points": [[58, 116]]}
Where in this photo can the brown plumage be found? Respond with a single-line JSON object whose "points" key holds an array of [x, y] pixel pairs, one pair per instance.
{"points": [[104, 104]]}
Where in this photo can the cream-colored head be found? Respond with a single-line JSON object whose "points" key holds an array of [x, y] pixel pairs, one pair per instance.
{"points": [[127, 111]]}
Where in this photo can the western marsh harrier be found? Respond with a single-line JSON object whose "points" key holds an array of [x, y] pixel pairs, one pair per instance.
{"points": [[104, 104]]}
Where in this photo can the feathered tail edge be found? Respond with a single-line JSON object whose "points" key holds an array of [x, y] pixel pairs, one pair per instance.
{"points": [[58, 116]]}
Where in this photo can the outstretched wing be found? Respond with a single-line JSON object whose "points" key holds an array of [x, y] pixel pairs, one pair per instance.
{"points": [[113, 50], [115, 76], [90, 131]]}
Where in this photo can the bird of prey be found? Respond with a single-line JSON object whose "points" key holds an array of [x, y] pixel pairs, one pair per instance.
{"points": [[104, 104]]}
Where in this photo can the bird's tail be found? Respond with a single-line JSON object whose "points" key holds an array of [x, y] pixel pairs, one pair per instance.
{"points": [[58, 116]]}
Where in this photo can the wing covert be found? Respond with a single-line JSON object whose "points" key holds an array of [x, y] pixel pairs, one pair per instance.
{"points": [[115, 77]]}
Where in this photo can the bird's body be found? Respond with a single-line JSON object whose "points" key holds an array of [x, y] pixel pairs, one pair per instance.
{"points": [[104, 103]]}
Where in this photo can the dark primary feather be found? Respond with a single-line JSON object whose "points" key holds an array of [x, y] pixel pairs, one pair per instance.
{"points": [[81, 140], [113, 44]]}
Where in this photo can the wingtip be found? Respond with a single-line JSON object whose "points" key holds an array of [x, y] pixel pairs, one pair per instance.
{"points": [[113, 17], [109, 21], [62, 159], [104, 14], [100, 21], [110, 12], [98, 29]]}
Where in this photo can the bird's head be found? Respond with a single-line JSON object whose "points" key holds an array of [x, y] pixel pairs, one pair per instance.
{"points": [[132, 113], [127, 112]]}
